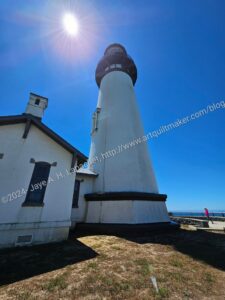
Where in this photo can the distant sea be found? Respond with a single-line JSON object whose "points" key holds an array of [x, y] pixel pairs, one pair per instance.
{"points": [[216, 213]]}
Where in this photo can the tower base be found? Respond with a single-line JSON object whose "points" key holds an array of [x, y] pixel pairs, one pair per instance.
{"points": [[124, 230], [126, 208]]}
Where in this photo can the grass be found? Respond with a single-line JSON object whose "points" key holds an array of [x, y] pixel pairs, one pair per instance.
{"points": [[176, 263], [163, 293], [59, 282], [145, 267], [209, 277], [24, 295], [92, 265], [186, 265]]}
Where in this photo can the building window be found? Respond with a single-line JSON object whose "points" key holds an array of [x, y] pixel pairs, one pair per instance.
{"points": [[37, 101], [76, 193], [114, 50], [95, 119], [112, 66], [38, 184]]}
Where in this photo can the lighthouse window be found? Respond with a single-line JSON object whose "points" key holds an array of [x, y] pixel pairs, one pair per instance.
{"points": [[37, 101], [95, 120], [119, 66], [112, 66], [114, 50]]}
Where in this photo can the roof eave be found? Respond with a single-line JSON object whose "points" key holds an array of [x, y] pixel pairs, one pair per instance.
{"points": [[7, 120]]}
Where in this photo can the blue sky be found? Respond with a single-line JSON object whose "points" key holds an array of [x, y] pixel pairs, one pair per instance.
{"points": [[179, 49]]}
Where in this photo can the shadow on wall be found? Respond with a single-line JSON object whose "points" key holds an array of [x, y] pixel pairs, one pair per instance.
{"points": [[208, 247], [22, 263]]}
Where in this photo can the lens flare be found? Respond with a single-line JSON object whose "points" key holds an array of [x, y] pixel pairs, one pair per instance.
{"points": [[70, 24]]}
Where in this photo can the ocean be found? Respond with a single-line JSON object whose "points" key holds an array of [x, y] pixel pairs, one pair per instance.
{"points": [[196, 214]]}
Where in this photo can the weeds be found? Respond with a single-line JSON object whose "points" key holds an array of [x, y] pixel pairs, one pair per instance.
{"points": [[58, 282]]}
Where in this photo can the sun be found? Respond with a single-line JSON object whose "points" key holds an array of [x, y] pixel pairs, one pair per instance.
{"points": [[70, 24]]}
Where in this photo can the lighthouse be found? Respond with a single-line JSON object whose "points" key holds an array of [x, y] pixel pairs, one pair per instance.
{"points": [[125, 190]]}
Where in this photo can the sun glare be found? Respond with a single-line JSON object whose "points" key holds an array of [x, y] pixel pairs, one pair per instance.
{"points": [[70, 24]]}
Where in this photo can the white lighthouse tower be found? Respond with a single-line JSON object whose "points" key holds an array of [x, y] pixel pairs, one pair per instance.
{"points": [[125, 190]]}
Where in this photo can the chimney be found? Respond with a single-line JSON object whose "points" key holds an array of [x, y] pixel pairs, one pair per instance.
{"points": [[36, 105]]}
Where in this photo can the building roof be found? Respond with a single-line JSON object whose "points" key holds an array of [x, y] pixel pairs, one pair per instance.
{"points": [[39, 96], [115, 45], [87, 172], [29, 119]]}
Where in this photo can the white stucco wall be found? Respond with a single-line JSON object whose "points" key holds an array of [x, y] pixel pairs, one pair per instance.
{"points": [[36, 109], [126, 212], [131, 169], [15, 174], [86, 186]]}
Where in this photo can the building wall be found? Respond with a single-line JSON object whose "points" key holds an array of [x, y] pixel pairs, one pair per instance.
{"points": [[119, 123], [50, 222], [79, 214], [127, 212]]}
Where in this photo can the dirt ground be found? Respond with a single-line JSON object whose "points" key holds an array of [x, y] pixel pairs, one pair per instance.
{"points": [[186, 264]]}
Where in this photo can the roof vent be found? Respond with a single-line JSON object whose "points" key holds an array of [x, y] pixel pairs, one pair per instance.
{"points": [[23, 240]]}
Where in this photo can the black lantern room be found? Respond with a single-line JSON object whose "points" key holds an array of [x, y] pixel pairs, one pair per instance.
{"points": [[115, 59]]}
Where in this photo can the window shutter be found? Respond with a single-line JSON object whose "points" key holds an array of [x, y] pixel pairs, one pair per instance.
{"points": [[36, 193]]}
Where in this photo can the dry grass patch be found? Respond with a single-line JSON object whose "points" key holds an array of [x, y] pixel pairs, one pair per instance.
{"points": [[110, 267]]}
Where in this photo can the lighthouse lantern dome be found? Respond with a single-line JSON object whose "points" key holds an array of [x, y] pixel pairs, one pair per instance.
{"points": [[115, 59]]}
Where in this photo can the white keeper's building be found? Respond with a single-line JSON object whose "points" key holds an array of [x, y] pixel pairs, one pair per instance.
{"points": [[43, 195]]}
